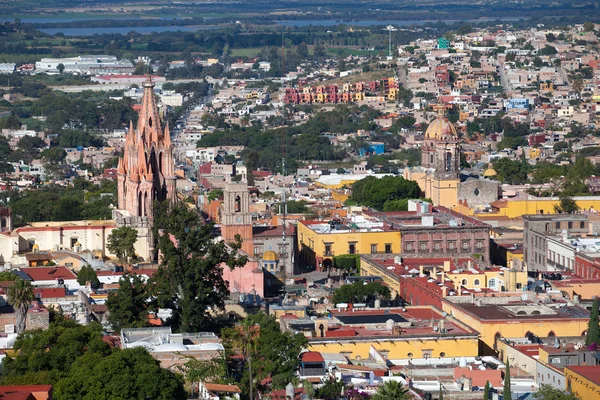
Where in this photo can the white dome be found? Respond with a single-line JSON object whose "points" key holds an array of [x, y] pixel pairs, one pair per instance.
{"points": [[171, 347]]}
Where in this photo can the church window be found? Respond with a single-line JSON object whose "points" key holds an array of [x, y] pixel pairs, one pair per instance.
{"points": [[476, 192], [476, 282], [150, 122], [238, 204], [431, 158]]}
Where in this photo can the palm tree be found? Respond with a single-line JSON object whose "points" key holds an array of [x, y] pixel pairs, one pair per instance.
{"points": [[245, 341], [392, 390], [20, 296]]}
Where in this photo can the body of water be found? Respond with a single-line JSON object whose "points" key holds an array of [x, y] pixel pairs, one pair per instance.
{"points": [[145, 30], [59, 20], [332, 22], [192, 28]]}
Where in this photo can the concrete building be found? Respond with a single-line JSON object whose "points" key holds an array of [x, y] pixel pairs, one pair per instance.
{"points": [[537, 229]]}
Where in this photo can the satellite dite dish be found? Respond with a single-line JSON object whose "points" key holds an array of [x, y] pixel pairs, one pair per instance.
{"points": [[524, 297]]}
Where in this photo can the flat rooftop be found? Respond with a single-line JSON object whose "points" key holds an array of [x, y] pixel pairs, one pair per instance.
{"points": [[524, 311]]}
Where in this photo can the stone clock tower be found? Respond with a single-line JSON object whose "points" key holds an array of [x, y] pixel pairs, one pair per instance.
{"points": [[235, 217]]}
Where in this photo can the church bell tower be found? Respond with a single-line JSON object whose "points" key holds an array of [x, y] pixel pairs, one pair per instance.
{"points": [[235, 217]]}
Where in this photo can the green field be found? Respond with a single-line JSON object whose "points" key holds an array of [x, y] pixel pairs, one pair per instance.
{"points": [[249, 52]]}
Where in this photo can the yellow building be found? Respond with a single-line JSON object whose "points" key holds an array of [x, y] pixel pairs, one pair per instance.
{"points": [[514, 208], [583, 381], [318, 243], [535, 153], [515, 319], [440, 161], [416, 337]]}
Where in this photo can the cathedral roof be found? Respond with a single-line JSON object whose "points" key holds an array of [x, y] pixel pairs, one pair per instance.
{"points": [[441, 129]]}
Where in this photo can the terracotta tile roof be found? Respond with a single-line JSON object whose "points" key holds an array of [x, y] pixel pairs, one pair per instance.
{"points": [[312, 357], [216, 387], [589, 372], [48, 273]]}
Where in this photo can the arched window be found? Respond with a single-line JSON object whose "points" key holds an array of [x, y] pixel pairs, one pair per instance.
{"points": [[551, 334], [476, 282], [150, 122], [238, 204], [464, 282]]}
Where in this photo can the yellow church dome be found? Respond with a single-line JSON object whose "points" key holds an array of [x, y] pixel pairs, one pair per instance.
{"points": [[441, 129], [270, 255], [490, 172]]}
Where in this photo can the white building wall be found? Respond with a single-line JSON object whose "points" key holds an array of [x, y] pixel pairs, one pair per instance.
{"points": [[560, 255]]}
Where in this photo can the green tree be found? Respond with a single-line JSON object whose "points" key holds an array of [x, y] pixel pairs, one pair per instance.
{"points": [[30, 146], [510, 171], [245, 339], [189, 279], [46, 356], [195, 370], [128, 305], [124, 374], [121, 243], [589, 27], [60, 67], [358, 292], [20, 296], [547, 392], [374, 192], [292, 206], [8, 276], [215, 194], [567, 205], [392, 390], [309, 389], [275, 354], [331, 390], [593, 333], [302, 50], [319, 49], [88, 274], [54, 155], [507, 394], [486, 391]]}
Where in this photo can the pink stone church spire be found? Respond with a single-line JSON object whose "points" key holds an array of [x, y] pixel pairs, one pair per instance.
{"points": [[146, 170]]}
